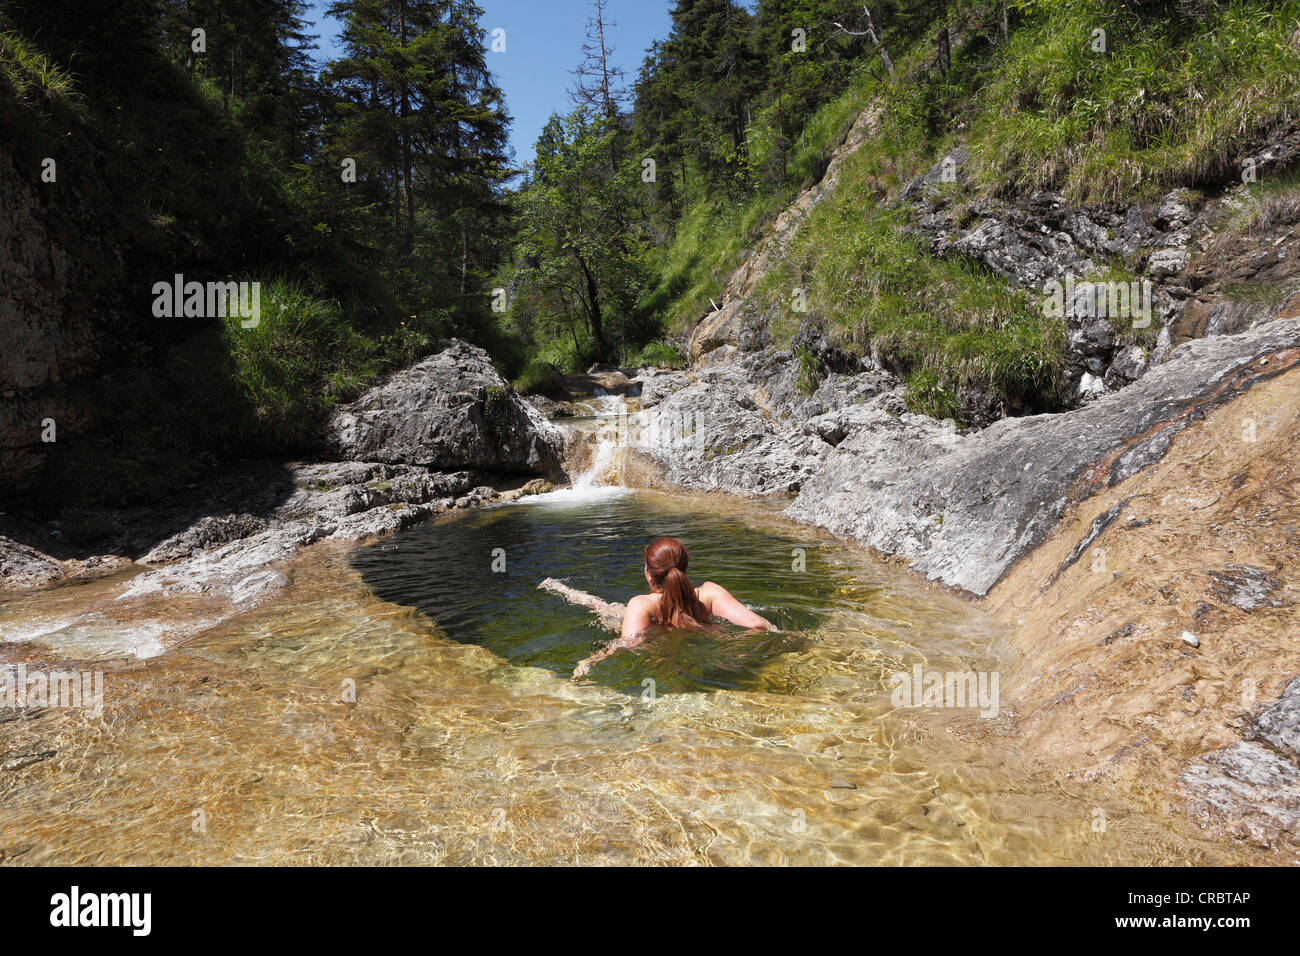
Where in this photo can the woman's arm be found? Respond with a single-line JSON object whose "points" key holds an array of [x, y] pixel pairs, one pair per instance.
{"points": [[609, 613], [723, 605], [635, 622]]}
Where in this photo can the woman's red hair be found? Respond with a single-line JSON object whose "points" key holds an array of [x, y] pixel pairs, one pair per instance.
{"points": [[666, 560]]}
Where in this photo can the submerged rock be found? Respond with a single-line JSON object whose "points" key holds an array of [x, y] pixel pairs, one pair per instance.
{"points": [[1246, 588], [1279, 725], [1247, 791], [258, 585]]}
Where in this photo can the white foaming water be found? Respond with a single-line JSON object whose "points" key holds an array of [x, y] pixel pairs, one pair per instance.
{"points": [[605, 427], [575, 495], [611, 444], [34, 628]]}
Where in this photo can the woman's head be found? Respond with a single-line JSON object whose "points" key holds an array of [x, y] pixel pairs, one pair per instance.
{"points": [[665, 572]]}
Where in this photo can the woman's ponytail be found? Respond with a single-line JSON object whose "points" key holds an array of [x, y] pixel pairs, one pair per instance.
{"points": [[666, 561]]}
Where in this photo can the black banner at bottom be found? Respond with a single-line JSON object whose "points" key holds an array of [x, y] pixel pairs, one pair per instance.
{"points": [[332, 907]]}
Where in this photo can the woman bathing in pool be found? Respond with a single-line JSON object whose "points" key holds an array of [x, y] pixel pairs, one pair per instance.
{"points": [[673, 602]]}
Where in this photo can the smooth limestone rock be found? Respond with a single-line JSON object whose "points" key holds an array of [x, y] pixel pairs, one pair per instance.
{"points": [[963, 509], [711, 435], [448, 412]]}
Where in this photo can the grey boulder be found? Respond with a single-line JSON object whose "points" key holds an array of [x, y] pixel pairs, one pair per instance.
{"points": [[448, 412]]}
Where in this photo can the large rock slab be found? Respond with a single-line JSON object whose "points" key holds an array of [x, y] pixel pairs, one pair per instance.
{"points": [[712, 435], [963, 509], [24, 568], [450, 411]]}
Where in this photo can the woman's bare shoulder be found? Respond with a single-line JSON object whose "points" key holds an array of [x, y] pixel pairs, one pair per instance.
{"points": [[711, 588]]}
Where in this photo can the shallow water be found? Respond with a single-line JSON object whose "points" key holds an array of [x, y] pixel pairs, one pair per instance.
{"points": [[403, 704]]}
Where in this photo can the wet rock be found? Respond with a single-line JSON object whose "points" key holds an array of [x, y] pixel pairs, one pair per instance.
{"points": [[257, 586], [345, 501], [476, 497], [1280, 724], [550, 407], [208, 532], [1248, 792], [538, 486], [22, 761], [450, 411]]}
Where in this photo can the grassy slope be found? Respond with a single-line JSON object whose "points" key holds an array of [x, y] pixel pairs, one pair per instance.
{"points": [[1170, 104]]}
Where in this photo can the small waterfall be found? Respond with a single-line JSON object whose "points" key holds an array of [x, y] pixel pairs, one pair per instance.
{"points": [[605, 436]]}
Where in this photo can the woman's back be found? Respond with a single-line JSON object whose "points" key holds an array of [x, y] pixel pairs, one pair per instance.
{"points": [[645, 610], [673, 601]]}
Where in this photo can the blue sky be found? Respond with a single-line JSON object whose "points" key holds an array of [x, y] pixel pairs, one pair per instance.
{"points": [[543, 44]]}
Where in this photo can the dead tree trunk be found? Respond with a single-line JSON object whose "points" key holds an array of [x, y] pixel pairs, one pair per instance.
{"points": [[872, 35]]}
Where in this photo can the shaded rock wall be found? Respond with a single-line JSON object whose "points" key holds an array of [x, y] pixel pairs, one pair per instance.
{"points": [[55, 323]]}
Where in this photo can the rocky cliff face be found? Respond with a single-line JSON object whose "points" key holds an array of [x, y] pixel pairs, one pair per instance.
{"points": [[56, 322], [1202, 259]]}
